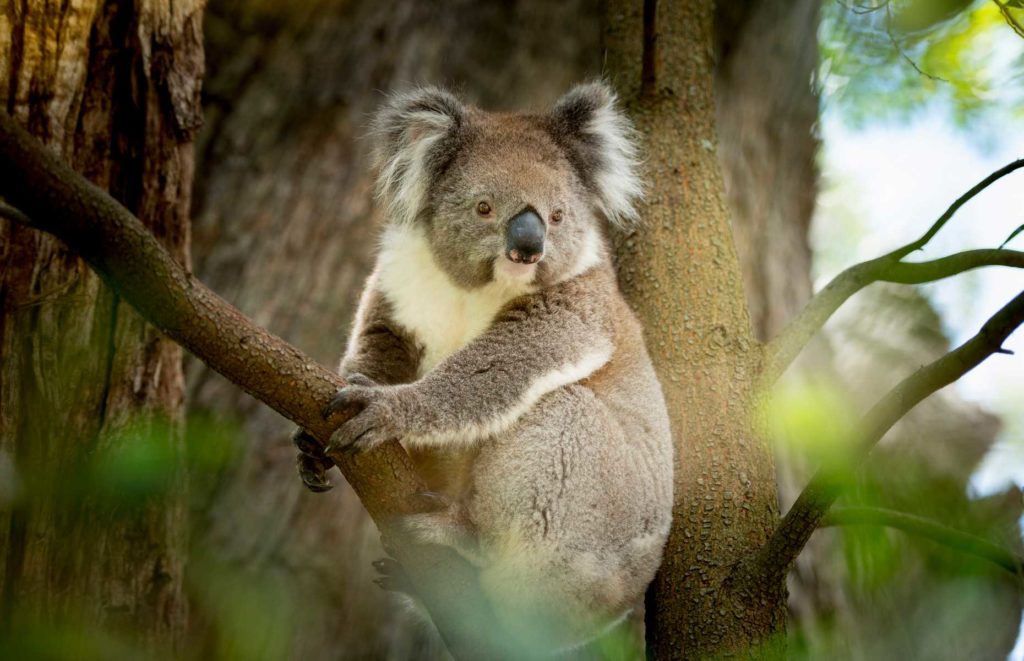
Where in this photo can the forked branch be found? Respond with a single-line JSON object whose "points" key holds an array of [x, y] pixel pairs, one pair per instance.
{"points": [[46, 194], [810, 507], [781, 351]]}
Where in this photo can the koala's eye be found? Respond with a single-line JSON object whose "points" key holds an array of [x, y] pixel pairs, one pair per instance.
{"points": [[556, 217], [483, 208]]}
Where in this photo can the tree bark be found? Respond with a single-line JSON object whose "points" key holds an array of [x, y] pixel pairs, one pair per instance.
{"points": [[113, 89], [700, 337]]}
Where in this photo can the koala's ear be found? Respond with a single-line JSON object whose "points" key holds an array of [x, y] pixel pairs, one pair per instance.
{"points": [[600, 141], [416, 135]]}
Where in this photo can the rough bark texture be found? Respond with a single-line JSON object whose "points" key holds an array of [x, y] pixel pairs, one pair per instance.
{"points": [[113, 89], [284, 225], [701, 340]]}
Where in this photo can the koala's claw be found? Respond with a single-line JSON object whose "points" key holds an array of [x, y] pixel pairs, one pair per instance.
{"points": [[375, 422], [312, 463], [314, 473], [357, 379], [392, 576], [349, 395], [307, 445]]}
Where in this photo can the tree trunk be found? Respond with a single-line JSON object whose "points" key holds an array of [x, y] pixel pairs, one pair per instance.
{"points": [[683, 277], [284, 226], [113, 88]]}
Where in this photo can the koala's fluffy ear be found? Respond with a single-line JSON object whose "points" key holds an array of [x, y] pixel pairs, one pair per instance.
{"points": [[416, 135], [600, 142]]}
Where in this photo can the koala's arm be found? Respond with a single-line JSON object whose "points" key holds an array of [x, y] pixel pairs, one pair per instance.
{"points": [[379, 352], [379, 348], [537, 344]]}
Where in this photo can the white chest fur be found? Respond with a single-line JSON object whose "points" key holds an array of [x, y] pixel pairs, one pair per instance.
{"points": [[442, 316]]}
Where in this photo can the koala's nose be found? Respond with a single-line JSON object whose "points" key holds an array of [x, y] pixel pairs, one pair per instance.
{"points": [[524, 238]]}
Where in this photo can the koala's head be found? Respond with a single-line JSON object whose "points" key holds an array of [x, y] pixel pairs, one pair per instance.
{"points": [[508, 197]]}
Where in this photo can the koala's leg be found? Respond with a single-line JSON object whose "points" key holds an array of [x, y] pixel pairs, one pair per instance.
{"points": [[448, 525]]}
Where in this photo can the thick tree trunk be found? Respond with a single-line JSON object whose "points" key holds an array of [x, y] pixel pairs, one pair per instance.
{"points": [[113, 88], [284, 226], [683, 277], [767, 109]]}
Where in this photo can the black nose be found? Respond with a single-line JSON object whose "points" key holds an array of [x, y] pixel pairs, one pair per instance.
{"points": [[524, 239]]}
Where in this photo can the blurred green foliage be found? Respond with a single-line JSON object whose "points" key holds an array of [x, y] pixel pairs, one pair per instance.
{"points": [[888, 59], [234, 613], [899, 590]]}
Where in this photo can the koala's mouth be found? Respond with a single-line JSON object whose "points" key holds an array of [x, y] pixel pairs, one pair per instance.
{"points": [[506, 269]]}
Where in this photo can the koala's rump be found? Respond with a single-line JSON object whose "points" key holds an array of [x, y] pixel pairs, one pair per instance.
{"points": [[567, 512]]}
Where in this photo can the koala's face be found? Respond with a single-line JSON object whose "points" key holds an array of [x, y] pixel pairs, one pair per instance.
{"points": [[509, 197], [510, 206]]}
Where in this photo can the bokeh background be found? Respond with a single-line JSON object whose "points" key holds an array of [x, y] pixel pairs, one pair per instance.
{"points": [[845, 129]]}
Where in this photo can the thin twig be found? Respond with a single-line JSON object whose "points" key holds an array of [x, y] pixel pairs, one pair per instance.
{"points": [[922, 527], [805, 516], [1010, 19], [783, 349], [953, 208], [899, 48], [916, 273]]}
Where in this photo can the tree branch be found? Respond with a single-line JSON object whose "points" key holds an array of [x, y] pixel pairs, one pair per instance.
{"points": [[810, 507], [782, 350], [1009, 168], [13, 214], [933, 530], [44, 193], [1014, 24]]}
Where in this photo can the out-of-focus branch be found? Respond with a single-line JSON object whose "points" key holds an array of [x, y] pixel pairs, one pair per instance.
{"points": [[782, 350], [13, 214], [922, 527], [810, 507], [46, 194], [1010, 19]]}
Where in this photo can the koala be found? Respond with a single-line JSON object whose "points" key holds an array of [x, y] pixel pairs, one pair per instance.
{"points": [[493, 340]]}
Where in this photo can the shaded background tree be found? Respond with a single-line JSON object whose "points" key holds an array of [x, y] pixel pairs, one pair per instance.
{"points": [[94, 520]]}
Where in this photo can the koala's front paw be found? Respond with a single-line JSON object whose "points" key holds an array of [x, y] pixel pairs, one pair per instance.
{"points": [[381, 416]]}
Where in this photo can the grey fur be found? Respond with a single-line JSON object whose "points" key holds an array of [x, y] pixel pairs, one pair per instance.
{"points": [[525, 396]]}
